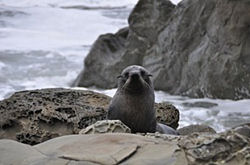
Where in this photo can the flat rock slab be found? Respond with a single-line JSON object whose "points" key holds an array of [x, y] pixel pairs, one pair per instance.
{"points": [[106, 149], [231, 147], [13, 152]]}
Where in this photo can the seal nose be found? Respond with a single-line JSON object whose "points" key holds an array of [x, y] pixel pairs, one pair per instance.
{"points": [[134, 75]]}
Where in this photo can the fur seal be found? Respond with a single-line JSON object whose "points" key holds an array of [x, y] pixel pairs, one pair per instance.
{"points": [[133, 102]]}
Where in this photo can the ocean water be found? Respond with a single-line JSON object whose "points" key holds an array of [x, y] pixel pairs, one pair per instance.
{"points": [[43, 44]]}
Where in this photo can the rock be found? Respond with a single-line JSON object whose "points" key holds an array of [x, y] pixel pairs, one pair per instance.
{"points": [[188, 130], [243, 129], [224, 148], [105, 148], [35, 116], [106, 126], [110, 54], [121, 148], [12, 152], [167, 114], [112, 44], [197, 48]]}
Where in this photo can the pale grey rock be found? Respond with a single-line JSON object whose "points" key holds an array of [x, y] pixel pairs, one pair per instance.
{"points": [[228, 147], [109, 148], [106, 126], [13, 153]]}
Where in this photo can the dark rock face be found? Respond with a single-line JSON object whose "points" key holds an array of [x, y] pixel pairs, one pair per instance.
{"points": [[109, 44], [110, 54], [198, 48], [35, 116]]}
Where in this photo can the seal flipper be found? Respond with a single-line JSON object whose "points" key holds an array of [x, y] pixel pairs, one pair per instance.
{"points": [[164, 129]]}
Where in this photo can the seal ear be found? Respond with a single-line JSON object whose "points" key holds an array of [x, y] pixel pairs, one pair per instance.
{"points": [[150, 75], [119, 76]]}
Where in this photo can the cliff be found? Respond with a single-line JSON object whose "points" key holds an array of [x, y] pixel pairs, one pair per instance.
{"points": [[199, 48]]}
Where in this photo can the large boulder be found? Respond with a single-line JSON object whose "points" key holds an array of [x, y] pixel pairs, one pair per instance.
{"points": [[35, 116], [229, 147], [112, 45], [197, 48], [111, 53]]}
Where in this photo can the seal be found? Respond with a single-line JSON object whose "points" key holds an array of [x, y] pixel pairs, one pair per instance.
{"points": [[133, 102], [164, 129]]}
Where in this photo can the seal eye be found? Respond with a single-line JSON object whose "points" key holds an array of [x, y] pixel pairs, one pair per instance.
{"points": [[126, 75], [143, 73]]}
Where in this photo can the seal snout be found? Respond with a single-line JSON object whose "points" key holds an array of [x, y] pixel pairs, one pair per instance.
{"points": [[135, 79], [135, 75]]}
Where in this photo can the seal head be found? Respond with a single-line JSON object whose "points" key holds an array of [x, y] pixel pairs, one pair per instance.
{"points": [[133, 102], [135, 80]]}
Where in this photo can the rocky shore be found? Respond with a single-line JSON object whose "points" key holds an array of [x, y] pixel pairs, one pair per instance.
{"points": [[197, 48], [35, 116], [66, 126], [229, 148]]}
